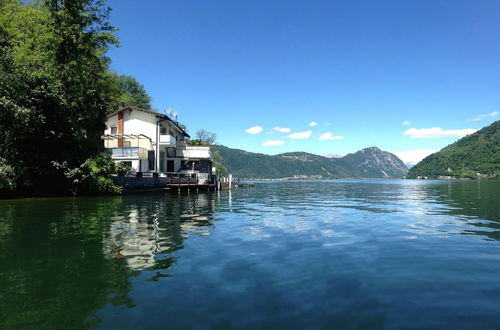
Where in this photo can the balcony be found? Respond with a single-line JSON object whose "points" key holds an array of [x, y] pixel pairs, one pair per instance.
{"points": [[127, 140], [167, 139], [129, 152], [194, 152]]}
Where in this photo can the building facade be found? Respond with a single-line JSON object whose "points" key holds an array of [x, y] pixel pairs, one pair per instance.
{"points": [[151, 142]]}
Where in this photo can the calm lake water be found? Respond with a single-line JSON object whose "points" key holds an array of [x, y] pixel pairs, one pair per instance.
{"points": [[308, 255]]}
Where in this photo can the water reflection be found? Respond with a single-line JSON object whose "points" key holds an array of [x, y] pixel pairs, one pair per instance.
{"points": [[281, 255], [475, 202], [63, 259], [438, 208], [148, 231]]}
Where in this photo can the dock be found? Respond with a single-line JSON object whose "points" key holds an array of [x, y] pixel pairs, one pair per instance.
{"points": [[152, 182]]}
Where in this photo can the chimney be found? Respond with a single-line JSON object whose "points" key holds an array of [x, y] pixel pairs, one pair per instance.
{"points": [[120, 129], [121, 105]]}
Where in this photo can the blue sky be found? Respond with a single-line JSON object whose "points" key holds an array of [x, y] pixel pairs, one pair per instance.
{"points": [[359, 69]]}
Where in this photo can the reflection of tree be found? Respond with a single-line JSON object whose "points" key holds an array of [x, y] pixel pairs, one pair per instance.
{"points": [[63, 259], [473, 201], [478, 199], [53, 273]]}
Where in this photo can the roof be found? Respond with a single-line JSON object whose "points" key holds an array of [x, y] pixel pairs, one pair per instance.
{"points": [[157, 114]]}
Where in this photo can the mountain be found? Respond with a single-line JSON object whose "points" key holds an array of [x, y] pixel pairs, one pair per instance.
{"points": [[476, 155], [373, 163], [367, 163]]}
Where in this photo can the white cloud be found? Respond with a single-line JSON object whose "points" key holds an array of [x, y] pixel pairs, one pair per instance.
{"points": [[273, 143], [326, 124], [254, 130], [330, 136], [300, 135], [282, 129], [412, 157], [313, 123], [437, 132], [485, 116], [406, 123]]}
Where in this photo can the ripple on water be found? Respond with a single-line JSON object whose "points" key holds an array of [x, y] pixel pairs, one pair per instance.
{"points": [[319, 254]]}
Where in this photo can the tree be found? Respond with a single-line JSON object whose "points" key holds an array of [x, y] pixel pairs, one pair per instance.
{"points": [[53, 88], [205, 137], [128, 90], [219, 166]]}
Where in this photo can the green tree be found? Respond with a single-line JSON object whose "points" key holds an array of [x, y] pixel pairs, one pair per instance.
{"points": [[53, 88], [218, 162], [204, 138], [128, 90]]}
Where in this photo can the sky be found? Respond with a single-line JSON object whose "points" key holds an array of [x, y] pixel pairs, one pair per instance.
{"points": [[325, 77]]}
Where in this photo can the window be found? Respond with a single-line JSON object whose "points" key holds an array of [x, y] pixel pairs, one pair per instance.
{"points": [[126, 144], [114, 130], [171, 152], [163, 130], [151, 160]]}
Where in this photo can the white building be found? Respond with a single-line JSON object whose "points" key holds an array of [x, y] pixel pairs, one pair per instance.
{"points": [[149, 141]]}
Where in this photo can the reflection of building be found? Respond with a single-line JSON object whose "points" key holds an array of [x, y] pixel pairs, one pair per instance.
{"points": [[150, 232], [149, 141]]}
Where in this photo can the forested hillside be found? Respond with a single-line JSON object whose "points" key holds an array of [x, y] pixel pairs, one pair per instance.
{"points": [[476, 155], [366, 163]]}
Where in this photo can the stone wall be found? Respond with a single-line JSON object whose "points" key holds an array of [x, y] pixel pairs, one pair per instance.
{"points": [[131, 183]]}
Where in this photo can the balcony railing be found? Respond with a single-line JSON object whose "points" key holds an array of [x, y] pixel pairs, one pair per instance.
{"points": [[167, 139], [194, 152], [128, 152]]}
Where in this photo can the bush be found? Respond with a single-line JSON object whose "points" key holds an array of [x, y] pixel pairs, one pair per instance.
{"points": [[92, 177]]}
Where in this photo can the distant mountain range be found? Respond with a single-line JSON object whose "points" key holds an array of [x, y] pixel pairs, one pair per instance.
{"points": [[473, 156], [367, 163]]}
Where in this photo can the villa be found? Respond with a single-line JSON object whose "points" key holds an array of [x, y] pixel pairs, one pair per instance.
{"points": [[152, 142]]}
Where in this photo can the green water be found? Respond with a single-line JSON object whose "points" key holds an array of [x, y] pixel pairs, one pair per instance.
{"points": [[315, 254]]}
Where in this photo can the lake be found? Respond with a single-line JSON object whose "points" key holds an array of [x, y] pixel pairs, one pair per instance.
{"points": [[340, 254]]}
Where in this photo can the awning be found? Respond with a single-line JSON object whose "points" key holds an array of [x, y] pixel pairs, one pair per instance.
{"points": [[127, 136]]}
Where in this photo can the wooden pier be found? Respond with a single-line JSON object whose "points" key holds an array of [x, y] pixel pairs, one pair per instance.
{"points": [[152, 182]]}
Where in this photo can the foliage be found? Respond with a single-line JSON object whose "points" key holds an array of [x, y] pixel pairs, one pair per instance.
{"points": [[128, 90], [203, 138], [197, 143], [55, 91], [93, 176], [220, 169], [7, 176], [476, 155]]}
